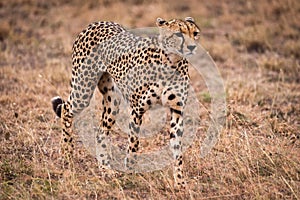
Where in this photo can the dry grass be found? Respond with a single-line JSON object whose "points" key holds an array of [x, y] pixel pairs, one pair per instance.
{"points": [[256, 45]]}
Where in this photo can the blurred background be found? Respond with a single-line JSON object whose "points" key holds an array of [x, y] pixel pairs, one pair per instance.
{"points": [[256, 47]]}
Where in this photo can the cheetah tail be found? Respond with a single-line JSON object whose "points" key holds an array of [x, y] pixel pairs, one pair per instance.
{"points": [[56, 105]]}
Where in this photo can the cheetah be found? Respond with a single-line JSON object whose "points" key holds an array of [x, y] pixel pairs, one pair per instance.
{"points": [[148, 71]]}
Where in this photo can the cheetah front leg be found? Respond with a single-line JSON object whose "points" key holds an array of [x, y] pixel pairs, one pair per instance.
{"points": [[176, 104], [176, 133]]}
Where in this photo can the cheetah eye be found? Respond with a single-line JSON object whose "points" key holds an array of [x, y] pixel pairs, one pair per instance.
{"points": [[196, 34]]}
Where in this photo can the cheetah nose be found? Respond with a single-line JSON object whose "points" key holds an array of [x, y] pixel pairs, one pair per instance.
{"points": [[191, 47]]}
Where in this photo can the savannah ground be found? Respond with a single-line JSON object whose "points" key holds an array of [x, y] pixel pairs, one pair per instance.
{"points": [[256, 47]]}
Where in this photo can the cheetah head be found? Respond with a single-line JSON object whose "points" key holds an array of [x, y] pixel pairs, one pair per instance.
{"points": [[178, 36]]}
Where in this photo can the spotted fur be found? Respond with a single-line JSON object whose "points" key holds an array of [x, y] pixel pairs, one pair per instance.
{"points": [[147, 71]]}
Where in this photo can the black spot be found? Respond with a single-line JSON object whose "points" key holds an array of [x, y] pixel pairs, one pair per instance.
{"points": [[173, 125], [132, 139], [136, 129], [105, 90], [176, 111], [85, 96], [81, 105], [171, 97], [179, 103], [172, 135], [116, 103], [65, 132], [179, 133]]}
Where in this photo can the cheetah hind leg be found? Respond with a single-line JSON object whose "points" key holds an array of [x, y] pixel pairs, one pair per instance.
{"points": [[110, 103], [62, 110], [133, 140], [78, 100]]}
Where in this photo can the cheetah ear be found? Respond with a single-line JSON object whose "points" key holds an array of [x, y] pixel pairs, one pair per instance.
{"points": [[189, 19], [160, 22]]}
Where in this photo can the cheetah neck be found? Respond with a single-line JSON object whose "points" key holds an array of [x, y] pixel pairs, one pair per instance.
{"points": [[174, 58]]}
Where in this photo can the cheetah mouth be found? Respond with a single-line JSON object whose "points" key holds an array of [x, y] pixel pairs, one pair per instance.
{"points": [[189, 53], [186, 53]]}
